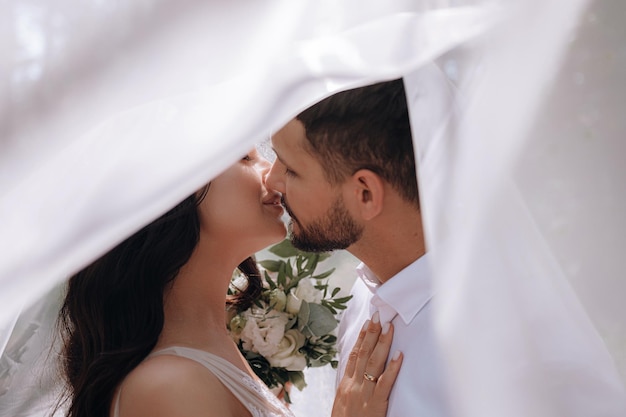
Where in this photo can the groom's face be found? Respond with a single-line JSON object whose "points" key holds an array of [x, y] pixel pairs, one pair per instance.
{"points": [[320, 220]]}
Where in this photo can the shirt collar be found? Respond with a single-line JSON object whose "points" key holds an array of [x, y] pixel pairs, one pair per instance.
{"points": [[404, 294]]}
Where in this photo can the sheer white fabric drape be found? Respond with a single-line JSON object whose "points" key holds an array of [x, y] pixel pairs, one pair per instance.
{"points": [[115, 112], [524, 209]]}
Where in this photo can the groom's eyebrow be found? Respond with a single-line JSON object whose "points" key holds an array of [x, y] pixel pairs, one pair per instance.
{"points": [[282, 161]]}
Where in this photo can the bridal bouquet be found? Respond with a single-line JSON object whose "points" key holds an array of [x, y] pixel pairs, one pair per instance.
{"points": [[291, 325]]}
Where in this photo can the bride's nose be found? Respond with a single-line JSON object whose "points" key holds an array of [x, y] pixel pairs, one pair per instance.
{"points": [[274, 181], [266, 167]]}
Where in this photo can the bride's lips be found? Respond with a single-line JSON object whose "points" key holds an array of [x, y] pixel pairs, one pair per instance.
{"points": [[287, 208], [274, 201]]}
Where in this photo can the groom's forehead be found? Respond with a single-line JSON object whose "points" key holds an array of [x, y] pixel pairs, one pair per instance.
{"points": [[294, 150], [291, 139]]}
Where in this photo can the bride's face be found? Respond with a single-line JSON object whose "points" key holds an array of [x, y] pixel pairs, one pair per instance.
{"points": [[239, 209]]}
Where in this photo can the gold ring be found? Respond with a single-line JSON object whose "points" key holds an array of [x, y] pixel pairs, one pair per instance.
{"points": [[370, 377]]}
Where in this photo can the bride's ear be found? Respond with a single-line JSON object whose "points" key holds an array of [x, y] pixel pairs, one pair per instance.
{"points": [[368, 190]]}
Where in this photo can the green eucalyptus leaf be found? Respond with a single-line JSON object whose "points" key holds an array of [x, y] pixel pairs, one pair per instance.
{"points": [[323, 256], [293, 283], [312, 262], [325, 274], [271, 265], [343, 299], [289, 270], [303, 316], [297, 379], [320, 321], [299, 262], [284, 249], [269, 280], [281, 275]]}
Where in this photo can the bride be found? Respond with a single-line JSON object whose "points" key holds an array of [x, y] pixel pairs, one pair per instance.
{"points": [[144, 326]]}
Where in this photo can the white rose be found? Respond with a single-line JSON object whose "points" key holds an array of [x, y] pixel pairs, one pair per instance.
{"points": [[263, 332], [287, 355], [305, 291]]}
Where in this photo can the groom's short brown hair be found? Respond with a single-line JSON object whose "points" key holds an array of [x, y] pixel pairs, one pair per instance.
{"points": [[364, 128]]}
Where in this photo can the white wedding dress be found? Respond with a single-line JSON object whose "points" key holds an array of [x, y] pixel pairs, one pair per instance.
{"points": [[252, 393]]}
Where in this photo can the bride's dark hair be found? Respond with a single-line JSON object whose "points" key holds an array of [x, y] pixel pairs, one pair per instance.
{"points": [[113, 310]]}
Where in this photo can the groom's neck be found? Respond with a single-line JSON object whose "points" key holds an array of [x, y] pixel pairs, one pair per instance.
{"points": [[392, 243]]}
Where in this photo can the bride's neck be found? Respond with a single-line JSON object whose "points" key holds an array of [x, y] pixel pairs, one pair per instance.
{"points": [[194, 304]]}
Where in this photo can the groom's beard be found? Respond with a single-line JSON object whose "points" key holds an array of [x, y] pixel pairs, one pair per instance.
{"points": [[336, 229]]}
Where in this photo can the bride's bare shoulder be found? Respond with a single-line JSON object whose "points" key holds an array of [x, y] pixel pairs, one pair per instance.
{"points": [[168, 385]]}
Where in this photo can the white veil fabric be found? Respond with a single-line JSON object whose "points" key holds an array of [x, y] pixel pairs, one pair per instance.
{"points": [[525, 222], [116, 112]]}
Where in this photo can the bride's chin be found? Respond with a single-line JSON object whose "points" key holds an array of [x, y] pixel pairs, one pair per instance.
{"points": [[275, 238], [280, 232], [267, 241], [278, 237]]}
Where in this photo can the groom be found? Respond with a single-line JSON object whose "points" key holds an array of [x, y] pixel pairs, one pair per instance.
{"points": [[346, 169]]}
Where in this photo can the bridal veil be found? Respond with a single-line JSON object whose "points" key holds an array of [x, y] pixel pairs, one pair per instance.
{"points": [[110, 113]]}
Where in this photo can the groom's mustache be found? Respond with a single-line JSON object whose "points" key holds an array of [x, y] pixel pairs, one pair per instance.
{"points": [[284, 203]]}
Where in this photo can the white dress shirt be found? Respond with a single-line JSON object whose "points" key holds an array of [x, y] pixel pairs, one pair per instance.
{"points": [[405, 300]]}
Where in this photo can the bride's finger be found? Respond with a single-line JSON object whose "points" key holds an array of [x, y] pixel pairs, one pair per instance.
{"points": [[354, 353], [375, 364], [388, 378], [368, 344]]}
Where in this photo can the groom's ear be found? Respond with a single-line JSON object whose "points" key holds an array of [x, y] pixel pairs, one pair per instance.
{"points": [[368, 191]]}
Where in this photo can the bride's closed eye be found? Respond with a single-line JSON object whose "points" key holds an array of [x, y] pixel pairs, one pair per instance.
{"points": [[253, 155]]}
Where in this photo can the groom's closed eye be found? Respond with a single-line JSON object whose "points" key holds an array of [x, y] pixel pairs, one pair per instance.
{"points": [[288, 171]]}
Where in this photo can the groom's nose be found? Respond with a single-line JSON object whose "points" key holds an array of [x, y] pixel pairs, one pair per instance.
{"points": [[275, 178]]}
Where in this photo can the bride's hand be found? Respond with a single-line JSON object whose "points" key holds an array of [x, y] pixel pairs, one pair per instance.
{"points": [[365, 387]]}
